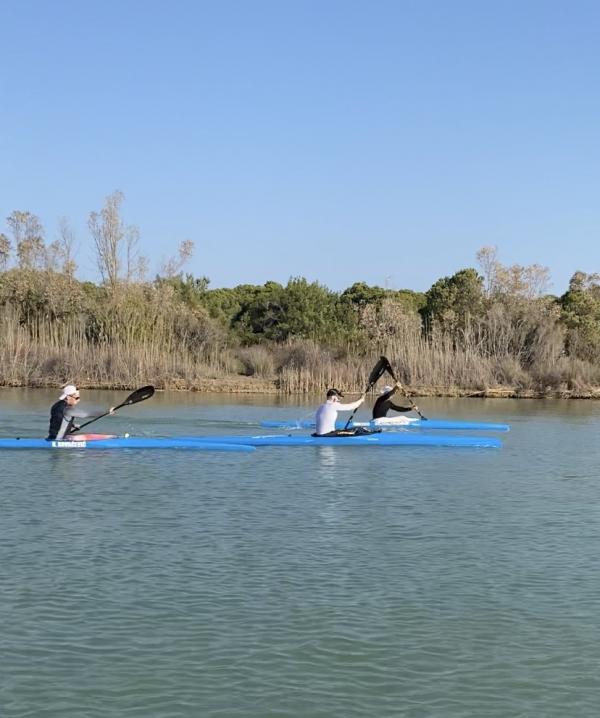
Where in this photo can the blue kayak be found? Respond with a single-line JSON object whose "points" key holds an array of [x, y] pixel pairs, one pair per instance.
{"points": [[381, 439], [125, 443], [447, 424]]}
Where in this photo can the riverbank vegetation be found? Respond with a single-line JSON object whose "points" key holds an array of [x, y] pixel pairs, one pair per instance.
{"points": [[490, 330]]}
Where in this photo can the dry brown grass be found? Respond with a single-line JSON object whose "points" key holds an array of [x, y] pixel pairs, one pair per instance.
{"points": [[141, 334]]}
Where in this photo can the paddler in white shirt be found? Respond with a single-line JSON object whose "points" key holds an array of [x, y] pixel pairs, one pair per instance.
{"points": [[327, 412]]}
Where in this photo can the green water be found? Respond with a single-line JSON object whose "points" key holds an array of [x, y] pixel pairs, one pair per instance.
{"points": [[300, 583]]}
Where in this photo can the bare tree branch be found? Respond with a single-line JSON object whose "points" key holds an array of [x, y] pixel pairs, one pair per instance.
{"points": [[112, 239], [172, 266], [28, 235]]}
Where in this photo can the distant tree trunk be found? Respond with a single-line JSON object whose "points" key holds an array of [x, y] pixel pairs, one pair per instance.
{"points": [[66, 242]]}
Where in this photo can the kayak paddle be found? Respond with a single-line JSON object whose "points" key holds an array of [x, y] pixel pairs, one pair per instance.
{"points": [[376, 373], [390, 371], [135, 397]]}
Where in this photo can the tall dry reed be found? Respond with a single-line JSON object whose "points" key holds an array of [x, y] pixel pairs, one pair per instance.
{"points": [[139, 334]]}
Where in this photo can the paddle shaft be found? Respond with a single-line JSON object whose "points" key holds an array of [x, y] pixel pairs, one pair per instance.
{"points": [[404, 392], [134, 398], [355, 410]]}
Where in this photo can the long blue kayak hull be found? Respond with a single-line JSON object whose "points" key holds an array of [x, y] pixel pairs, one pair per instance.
{"points": [[125, 443], [446, 424], [382, 439]]}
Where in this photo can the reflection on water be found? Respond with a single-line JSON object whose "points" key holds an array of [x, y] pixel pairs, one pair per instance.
{"points": [[327, 458], [329, 479]]}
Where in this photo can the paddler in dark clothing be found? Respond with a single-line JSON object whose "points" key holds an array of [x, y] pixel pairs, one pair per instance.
{"points": [[384, 403], [64, 412]]}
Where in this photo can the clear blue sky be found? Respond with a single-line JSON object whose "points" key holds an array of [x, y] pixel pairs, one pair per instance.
{"points": [[341, 141]]}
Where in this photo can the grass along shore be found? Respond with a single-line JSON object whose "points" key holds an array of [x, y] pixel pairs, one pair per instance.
{"points": [[426, 369], [253, 385], [54, 331]]}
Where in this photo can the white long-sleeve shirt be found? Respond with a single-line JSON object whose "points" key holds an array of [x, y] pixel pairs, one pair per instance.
{"points": [[327, 414]]}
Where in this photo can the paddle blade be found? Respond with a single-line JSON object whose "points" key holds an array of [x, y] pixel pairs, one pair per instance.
{"points": [[378, 371], [138, 395], [388, 368]]}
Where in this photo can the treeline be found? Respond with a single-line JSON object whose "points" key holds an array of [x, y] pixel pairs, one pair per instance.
{"points": [[478, 331]]}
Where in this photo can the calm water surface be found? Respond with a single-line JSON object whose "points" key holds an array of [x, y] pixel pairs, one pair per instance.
{"points": [[301, 583]]}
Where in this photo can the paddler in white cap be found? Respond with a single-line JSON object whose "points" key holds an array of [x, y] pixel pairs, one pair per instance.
{"points": [[64, 412]]}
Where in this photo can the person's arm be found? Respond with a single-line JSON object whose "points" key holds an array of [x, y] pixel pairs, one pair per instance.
{"points": [[76, 413], [350, 407], [400, 408]]}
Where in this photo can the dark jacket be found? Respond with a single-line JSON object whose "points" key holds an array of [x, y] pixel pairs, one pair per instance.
{"points": [[61, 420], [384, 403]]}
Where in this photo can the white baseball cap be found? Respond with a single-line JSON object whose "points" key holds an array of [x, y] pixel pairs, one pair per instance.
{"points": [[69, 390], [386, 389]]}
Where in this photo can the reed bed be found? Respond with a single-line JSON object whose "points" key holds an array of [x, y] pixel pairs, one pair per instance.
{"points": [[144, 334], [51, 353]]}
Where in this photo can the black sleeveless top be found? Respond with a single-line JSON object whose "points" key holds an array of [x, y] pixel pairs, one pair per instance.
{"points": [[384, 404], [57, 416]]}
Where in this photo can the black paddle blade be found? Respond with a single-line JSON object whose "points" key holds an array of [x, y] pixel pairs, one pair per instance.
{"points": [[377, 371], [388, 368], [138, 395]]}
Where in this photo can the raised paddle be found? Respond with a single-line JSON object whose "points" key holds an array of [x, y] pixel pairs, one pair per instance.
{"points": [[376, 373], [135, 397], [390, 371]]}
